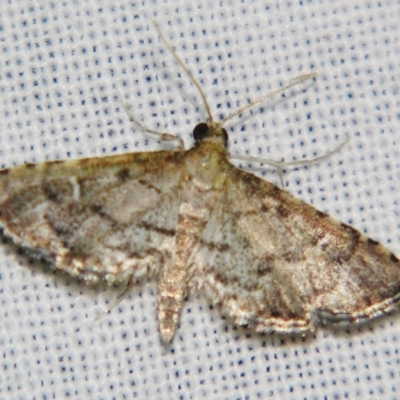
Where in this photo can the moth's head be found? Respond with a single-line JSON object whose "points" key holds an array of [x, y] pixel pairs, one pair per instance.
{"points": [[210, 130]]}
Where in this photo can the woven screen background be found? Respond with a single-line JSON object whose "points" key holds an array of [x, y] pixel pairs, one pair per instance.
{"points": [[66, 67]]}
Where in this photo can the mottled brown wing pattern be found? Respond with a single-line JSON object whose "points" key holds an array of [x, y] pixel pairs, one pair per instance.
{"points": [[269, 260], [275, 263], [110, 218]]}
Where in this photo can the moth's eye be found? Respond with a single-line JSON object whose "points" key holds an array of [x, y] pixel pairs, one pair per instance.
{"points": [[200, 131], [225, 137]]}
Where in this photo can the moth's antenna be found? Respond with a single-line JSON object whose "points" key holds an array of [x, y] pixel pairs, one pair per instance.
{"points": [[185, 68], [294, 82]]}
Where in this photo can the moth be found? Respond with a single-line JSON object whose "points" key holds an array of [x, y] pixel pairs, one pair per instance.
{"points": [[193, 221]]}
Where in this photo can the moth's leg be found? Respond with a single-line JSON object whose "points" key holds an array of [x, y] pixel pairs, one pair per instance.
{"points": [[281, 165], [165, 137], [120, 297]]}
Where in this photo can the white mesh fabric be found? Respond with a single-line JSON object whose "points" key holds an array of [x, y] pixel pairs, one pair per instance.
{"points": [[66, 66]]}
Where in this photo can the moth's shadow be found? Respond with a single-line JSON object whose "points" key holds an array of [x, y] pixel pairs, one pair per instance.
{"points": [[34, 261], [245, 335]]}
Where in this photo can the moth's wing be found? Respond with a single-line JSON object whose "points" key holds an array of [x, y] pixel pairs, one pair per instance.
{"points": [[110, 218], [275, 263]]}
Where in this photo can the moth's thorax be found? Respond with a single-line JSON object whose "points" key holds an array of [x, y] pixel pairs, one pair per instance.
{"points": [[206, 165], [204, 174]]}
